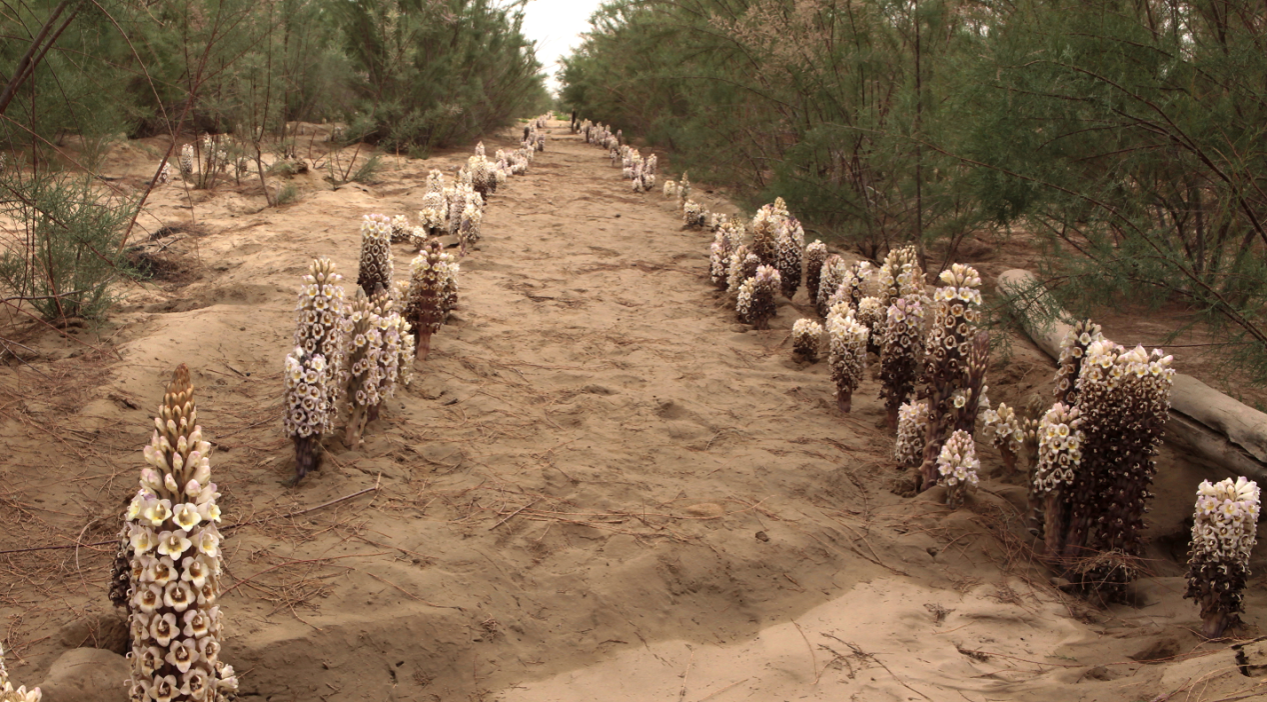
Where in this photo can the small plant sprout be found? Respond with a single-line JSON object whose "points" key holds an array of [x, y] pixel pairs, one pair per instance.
{"points": [[376, 253], [901, 348], [174, 620], [1073, 349], [833, 274], [912, 426], [789, 255], [1059, 457], [315, 372], [1224, 531], [957, 464], [1007, 433], [424, 308], [807, 339], [847, 353], [693, 215], [8, 693], [755, 304], [401, 231], [815, 257]]}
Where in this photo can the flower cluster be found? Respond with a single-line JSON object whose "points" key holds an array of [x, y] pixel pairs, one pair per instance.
{"points": [[789, 252], [807, 339], [719, 258], [483, 172], [1224, 531], [164, 174], [433, 218], [21, 694], [901, 276], [815, 257], [766, 226], [466, 212], [847, 352], [901, 344], [174, 621], [954, 323], [755, 304], [315, 372], [424, 309], [912, 427], [376, 253], [1059, 445], [957, 464], [670, 189], [187, 160], [850, 289], [365, 352], [1072, 350], [401, 231], [954, 402]]}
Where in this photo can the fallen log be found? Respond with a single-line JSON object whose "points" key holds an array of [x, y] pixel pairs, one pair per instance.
{"points": [[1203, 420]]}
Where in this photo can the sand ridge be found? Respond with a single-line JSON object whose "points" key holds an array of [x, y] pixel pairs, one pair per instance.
{"points": [[597, 484]]}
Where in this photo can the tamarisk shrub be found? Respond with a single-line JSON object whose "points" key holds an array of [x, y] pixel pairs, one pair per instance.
{"points": [[815, 257], [912, 427], [1060, 440], [175, 623], [21, 694], [755, 304], [1124, 398], [1073, 349], [807, 339], [957, 465], [901, 350], [315, 370], [1224, 531], [832, 275], [376, 253], [847, 353]]}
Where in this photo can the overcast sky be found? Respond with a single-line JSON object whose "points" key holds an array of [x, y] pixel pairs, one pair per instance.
{"points": [[556, 26]]}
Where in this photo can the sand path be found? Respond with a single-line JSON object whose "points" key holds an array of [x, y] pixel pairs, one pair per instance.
{"points": [[599, 486]]}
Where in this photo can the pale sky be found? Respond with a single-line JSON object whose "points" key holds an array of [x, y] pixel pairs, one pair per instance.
{"points": [[556, 26]]}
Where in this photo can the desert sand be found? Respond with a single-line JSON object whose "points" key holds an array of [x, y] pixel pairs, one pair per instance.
{"points": [[599, 485]]}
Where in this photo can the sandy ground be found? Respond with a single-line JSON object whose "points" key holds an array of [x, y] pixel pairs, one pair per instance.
{"points": [[598, 487]]}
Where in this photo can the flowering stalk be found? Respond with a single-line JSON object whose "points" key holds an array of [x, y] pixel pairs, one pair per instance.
{"points": [[364, 349], [815, 257], [957, 465], [912, 427], [1060, 440], [376, 253], [1224, 531], [693, 215], [175, 626], [789, 252], [1007, 433], [831, 276], [807, 339], [719, 259], [901, 345], [755, 304], [767, 224], [743, 265], [953, 403], [424, 307], [315, 371], [1073, 349], [901, 276], [847, 355]]}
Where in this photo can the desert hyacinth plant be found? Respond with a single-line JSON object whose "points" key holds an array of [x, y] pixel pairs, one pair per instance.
{"points": [[901, 353], [670, 189], [1007, 433], [815, 257], [872, 312], [1073, 349], [789, 255], [912, 427], [376, 254], [315, 372], [401, 231], [693, 215], [957, 466], [833, 273], [847, 353], [901, 276], [175, 622], [425, 300], [957, 313], [364, 352], [187, 161], [955, 395], [719, 259], [743, 265], [1059, 459], [851, 290], [1224, 531], [1124, 399], [807, 339], [8, 693], [767, 224], [755, 303]]}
